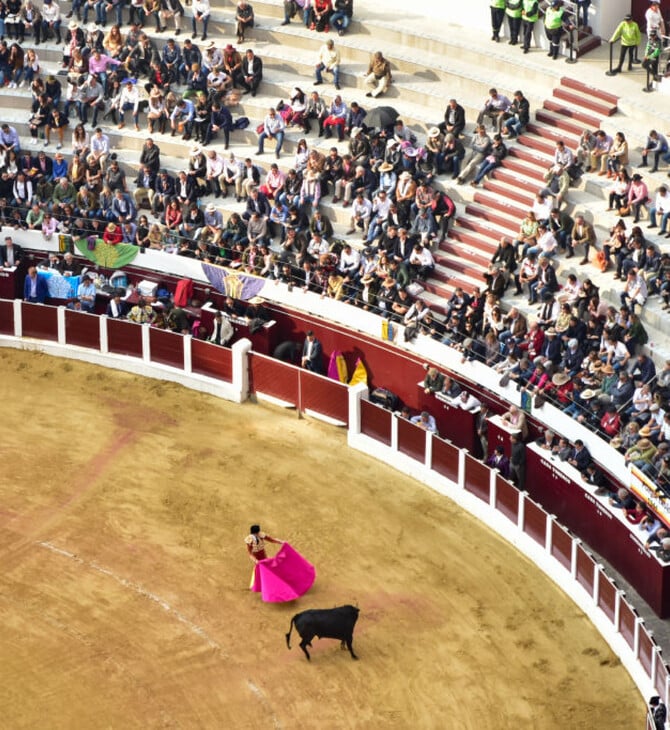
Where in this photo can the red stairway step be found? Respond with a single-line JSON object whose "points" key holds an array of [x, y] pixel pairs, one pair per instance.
{"points": [[511, 208], [491, 215], [508, 192], [448, 265], [535, 172], [559, 121], [585, 101], [517, 182], [591, 120], [553, 134], [590, 90], [476, 239], [588, 44], [541, 159], [457, 248]]}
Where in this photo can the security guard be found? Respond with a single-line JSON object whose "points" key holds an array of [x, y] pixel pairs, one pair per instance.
{"points": [[513, 9], [497, 18], [529, 14]]}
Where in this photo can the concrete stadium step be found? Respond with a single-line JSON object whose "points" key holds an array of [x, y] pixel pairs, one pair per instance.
{"points": [[442, 276], [581, 100], [591, 91], [543, 139], [560, 121], [563, 109]]}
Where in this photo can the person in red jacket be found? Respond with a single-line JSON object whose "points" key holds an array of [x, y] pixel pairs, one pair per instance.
{"points": [[113, 234]]}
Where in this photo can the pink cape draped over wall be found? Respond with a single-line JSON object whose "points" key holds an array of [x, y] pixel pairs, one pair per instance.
{"points": [[285, 577]]}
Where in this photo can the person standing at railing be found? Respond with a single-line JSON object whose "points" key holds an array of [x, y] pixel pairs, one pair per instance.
{"points": [[629, 33]]}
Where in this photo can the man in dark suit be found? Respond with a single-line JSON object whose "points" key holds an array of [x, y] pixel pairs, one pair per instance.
{"points": [[250, 73], [517, 460], [151, 156], [454, 119], [581, 457], [35, 287], [10, 253], [311, 353], [257, 202]]}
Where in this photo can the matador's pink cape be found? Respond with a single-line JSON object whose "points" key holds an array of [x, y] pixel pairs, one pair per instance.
{"points": [[285, 577]]}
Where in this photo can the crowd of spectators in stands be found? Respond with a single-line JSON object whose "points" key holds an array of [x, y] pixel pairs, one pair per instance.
{"points": [[578, 352]]}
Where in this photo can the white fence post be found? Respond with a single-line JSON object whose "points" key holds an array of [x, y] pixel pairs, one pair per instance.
{"points": [[493, 488], [573, 557], [146, 342], [548, 538], [428, 460], [240, 354], [18, 319], [60, 321], [188, 354], [104, 334], [356, 394], [596, 582], [522, 510], [461, 467], [394, 433]]}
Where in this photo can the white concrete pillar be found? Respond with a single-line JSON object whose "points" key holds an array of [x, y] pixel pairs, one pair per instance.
{"points": [[104, 334], [240, 354], [18, 319], [188, 354], [356, 394], [146, 343], [60, 320]]}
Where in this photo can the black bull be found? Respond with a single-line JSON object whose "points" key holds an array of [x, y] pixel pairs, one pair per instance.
{"points": [[325, 623]]}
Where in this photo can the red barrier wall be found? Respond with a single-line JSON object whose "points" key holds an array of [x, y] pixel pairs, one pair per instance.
{"points": [[606, 596], [376, 422], [124, 338], [585, 569], [6, 317], [82, 329], [274, 377], [477, 478], [166, 347], [645, 649], [411, 440], [507, 499], [212, 360], [445, 459], [39, 321], [627, 619], [535, 522], [324, 395], [561, 545]]}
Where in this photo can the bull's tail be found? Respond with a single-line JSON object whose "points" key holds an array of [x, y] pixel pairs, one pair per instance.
{"points": [[288, 636]]}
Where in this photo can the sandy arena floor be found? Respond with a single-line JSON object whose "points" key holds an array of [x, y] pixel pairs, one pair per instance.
{"points": [[124, 593]]}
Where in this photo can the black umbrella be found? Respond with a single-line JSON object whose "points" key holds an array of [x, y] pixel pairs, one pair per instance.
{"points": [[381, 117]]}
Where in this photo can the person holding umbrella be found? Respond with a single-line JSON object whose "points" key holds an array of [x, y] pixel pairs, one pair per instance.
{"points": [[382, 118]]}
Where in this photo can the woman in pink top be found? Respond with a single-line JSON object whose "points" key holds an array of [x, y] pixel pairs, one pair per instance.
{"points": [[638, 196]]}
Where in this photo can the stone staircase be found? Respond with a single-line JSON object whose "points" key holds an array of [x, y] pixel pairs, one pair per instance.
{"points": [[508, 192]]}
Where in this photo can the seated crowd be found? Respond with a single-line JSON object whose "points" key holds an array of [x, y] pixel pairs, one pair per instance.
{"points": [[578, 352]]}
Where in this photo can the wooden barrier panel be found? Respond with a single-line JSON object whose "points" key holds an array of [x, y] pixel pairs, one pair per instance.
{"points": [[535, 522], [324, 395], [645, 649], [274, 377], [661, 674], [561, 545], [6, 317], [445, 459], [477, 478], [166, 347], [376, 422], [627, 619], [606, 596], [124, 338], [585, 570], [39, 321], [507, 499], [82, 329], [411, 440], [212, 360]]}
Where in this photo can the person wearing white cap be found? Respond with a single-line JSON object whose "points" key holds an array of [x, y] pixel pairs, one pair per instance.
{"points": [[329, 60], [654, 19]]}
